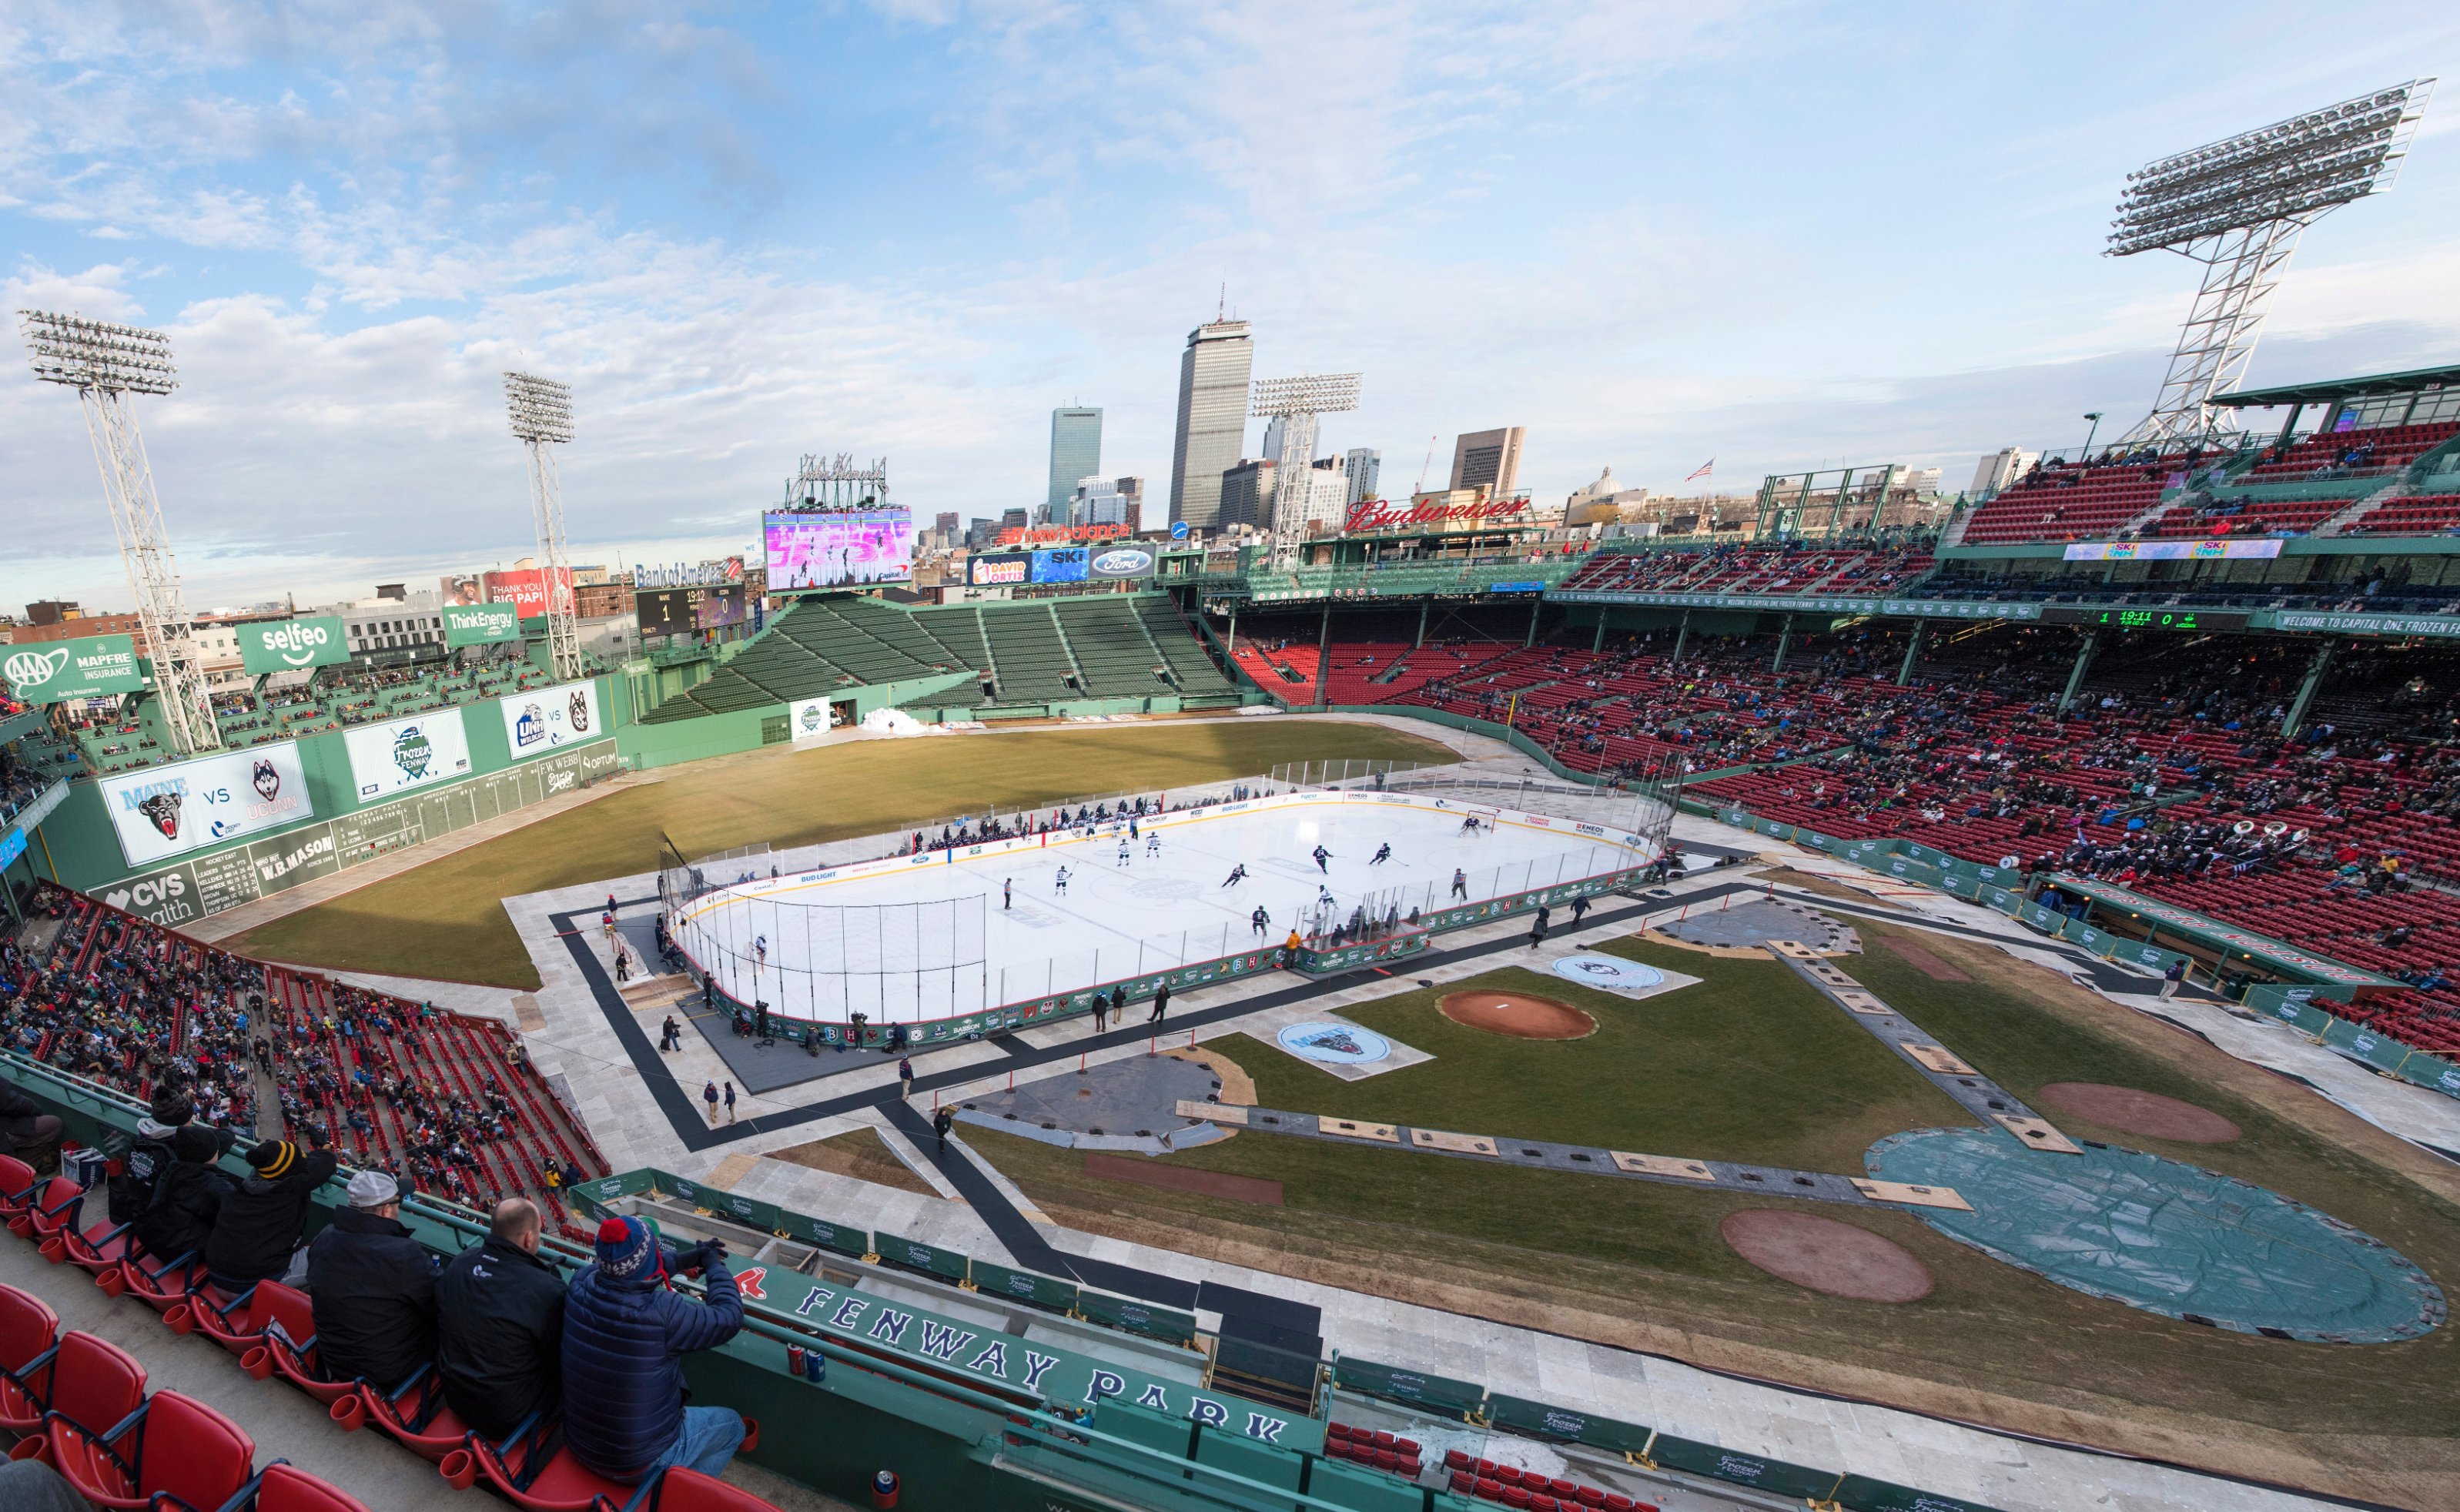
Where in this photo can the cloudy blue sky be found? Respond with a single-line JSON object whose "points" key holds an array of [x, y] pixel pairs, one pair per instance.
{"points": [[1777, 234]]}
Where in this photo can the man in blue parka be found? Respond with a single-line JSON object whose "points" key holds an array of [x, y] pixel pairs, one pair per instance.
{"points": [[624, 1334]]}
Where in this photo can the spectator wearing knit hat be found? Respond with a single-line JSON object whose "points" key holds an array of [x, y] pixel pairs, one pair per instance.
{"points": [[260, 1222], [188, 1196], [625, 1332], [373, 1287]]}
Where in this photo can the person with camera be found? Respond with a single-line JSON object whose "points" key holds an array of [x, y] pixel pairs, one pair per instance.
{"points": [[626, 1330]]}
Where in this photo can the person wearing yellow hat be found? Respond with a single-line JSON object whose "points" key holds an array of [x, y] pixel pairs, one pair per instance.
{"points": [[258, 1229]]}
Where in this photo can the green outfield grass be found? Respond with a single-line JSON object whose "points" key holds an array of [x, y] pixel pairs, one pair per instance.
{"points": [[1751, 1066], [446, 919]]}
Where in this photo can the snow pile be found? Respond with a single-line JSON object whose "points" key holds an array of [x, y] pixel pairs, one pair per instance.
{"points": [[897, 722]]}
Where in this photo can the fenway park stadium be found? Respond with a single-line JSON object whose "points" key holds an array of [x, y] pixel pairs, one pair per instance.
{"points": [[1850, 994]]}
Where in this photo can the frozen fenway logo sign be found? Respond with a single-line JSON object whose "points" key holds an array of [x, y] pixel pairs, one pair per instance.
{"points": [[1376, 514]]}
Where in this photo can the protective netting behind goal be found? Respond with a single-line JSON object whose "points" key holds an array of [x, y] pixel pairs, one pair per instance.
{"points": [[892, 963]]}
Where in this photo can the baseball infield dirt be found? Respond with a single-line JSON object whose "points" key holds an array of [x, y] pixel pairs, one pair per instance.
{"points": [[1519, 1014], [2148, 1113], [1825, 1255]]}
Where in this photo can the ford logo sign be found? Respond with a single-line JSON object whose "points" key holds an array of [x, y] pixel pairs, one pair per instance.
{"points": [[1123, 562]]}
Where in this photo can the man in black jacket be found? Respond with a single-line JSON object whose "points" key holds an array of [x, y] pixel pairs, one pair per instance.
{"points": [[187, 1195], [25, 1128], [373, 1287], [259, 1224], [499, 1326]]}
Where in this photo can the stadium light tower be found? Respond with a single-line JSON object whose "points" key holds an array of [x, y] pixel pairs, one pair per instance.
{"points": [[2237, 206], [542, 416], [105, 364], [1297, 402]]}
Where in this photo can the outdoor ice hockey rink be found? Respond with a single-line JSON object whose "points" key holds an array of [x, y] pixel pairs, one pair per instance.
{"points": [[914, 939]]}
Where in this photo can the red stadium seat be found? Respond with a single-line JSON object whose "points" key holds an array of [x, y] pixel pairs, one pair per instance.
{"points": [[687, 1490], [283, 1487], [29, 1329], [173, 1445], [90, 1384], [531, 1470]]}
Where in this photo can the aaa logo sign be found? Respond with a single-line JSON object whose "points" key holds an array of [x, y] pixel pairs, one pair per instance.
{"points": [[88, 667]]}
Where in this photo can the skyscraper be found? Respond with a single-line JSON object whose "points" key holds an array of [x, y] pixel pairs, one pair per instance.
{"points": [[1488, 459], [1076, 451], [1211, 419], [1361, 466]]}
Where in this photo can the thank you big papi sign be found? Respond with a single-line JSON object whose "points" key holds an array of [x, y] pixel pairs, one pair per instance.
{"points": [[84, 667], [540, 720], [289, 646], [168, 811]]}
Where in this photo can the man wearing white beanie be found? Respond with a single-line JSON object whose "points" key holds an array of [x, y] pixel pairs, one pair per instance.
{"points": [[374, 1285]]}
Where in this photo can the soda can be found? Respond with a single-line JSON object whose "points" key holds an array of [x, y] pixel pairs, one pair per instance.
{"points": [[794, 1359], [816, 1366]]}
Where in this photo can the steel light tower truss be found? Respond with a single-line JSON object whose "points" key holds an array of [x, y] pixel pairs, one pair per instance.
{"points": [[105, 364], [542, 416], [1297, 402], [2238, 206]]}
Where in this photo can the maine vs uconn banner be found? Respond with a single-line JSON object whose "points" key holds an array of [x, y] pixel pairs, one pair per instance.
{"points": [[404, 754], [544, 719], [171, 810]]}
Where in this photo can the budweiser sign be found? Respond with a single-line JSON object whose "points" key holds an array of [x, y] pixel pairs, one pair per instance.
{"points": [[1376, 514]]}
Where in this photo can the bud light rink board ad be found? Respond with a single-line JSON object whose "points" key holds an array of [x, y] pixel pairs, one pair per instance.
{"points": [[404, 754], [545, 719], [167, 811]]}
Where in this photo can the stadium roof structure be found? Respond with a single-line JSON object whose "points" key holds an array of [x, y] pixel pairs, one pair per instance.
{"points": [[2325, 391]]}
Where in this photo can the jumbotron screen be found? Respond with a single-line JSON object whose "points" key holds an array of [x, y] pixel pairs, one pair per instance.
{"points": [[848, 550]]}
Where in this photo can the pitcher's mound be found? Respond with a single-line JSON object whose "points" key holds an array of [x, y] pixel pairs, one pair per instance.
{"points": [[2149, 1114], [1519, 1014], [1824, 1255]]}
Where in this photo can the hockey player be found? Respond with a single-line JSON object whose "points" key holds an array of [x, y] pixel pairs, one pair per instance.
{"points": [[1153, 843], [1123, 850], [1323, 856], [1237, 875], [1262, 921], [1060, 881], [1460, 884], [1383, 854]]}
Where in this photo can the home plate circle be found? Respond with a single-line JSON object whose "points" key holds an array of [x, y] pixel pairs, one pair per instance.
{"points": [[1334, 1044], [1611, 972]]}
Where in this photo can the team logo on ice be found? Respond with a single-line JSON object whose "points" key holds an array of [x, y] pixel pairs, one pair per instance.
{"points": [[1334, 1044], [1608, 973]]}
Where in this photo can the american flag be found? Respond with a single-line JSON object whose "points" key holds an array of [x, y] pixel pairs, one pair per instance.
{"points": [[1703, 472]]}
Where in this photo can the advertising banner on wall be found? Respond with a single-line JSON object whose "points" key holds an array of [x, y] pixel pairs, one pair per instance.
{"points": [[524, 588], [289, 646], [545, 718], [207, 885], [403, 753], [167, 811], [999, 568], [1121, 562], [481, 623], [811, 718], [846, 549], [2172, 550], [1062, 564], [85, 667]]}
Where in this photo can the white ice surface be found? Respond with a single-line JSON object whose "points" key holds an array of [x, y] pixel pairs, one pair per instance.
{"points": [[868, 935]]}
